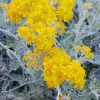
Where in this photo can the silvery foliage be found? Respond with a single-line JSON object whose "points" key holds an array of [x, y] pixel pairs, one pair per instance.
{"points": [[20, 83]]}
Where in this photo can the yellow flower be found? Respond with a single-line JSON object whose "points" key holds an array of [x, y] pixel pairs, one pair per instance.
{"points": [[40, 53], [32, 62], [63, 95], [36, 67], [23, 31], [40, 42], [87, 5], [3, 5], [60, 98], [28, 64], [31, 54], [30, 38], [87, 51], [25, 58]]}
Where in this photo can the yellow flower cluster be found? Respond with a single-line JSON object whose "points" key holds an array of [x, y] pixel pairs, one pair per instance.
{"points": [[3, 5], [64, 10], [86, 51], [32, 58], [76, 74], [45, 36], [44, 20], [32, 10], [55, 67], [87, 5], [58, 67]]}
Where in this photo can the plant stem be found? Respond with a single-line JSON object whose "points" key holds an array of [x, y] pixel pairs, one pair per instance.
{"points": [[31, 82], [9, 33], [15, 55]]}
